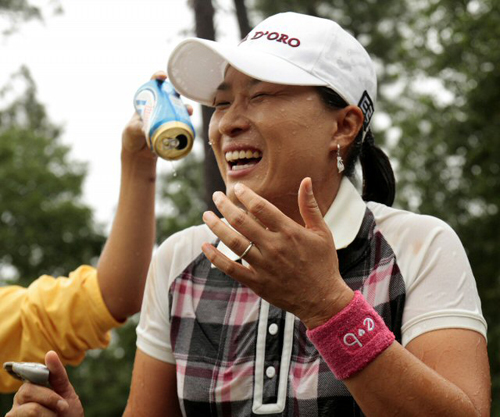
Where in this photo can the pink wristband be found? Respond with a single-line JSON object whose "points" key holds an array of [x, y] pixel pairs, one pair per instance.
{"points": [[351, 339]]}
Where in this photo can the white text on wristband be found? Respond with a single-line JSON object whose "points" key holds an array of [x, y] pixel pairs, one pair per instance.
{"points": [[351, 339]]}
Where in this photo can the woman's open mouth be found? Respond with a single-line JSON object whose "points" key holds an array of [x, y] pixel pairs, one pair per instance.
{"points": [[242, 159]]}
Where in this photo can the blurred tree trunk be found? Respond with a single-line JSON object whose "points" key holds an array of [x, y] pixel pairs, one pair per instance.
{"points": [[242, 16], [204, 19]]}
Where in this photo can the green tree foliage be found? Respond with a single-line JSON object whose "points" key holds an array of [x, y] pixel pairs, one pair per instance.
{"points": [[15, 12], [45, 228], [439, 85], [449, 150], [103, 379]]}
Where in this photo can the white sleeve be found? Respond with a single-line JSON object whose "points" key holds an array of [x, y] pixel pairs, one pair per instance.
{"points": [[441, 291], [171, 258]]}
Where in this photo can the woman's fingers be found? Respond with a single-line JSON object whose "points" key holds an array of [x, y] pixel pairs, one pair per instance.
{"points": [[308, 206], [162, 75], [238, 218], [264, 211], [235, 241], [286, 250], [264, 218], [159, 75], [222, 262]]}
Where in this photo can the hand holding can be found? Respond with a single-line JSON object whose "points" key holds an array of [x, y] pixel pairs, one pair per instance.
{"points": [[167, 126]]}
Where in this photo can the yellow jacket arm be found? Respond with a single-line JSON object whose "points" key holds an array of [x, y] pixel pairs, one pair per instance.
{"points": [[67, 315]]}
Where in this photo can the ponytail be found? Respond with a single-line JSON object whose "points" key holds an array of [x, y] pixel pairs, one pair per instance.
{"points": [[379, 183]]}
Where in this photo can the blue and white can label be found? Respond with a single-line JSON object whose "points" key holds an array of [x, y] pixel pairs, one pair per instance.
{"points": [[167, 126]]}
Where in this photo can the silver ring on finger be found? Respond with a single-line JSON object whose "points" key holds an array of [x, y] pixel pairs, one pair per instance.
{"points": [[245, 251]]}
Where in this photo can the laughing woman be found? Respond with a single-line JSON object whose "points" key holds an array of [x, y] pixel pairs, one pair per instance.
{"points": [[308, 299]]}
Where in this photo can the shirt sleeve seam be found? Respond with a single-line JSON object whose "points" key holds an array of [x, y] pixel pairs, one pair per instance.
{"points": [[440, 320]]}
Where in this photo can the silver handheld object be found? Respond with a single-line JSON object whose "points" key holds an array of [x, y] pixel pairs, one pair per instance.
{"points": [[28, 371]]}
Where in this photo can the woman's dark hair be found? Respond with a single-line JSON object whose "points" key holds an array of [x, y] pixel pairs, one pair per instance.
{"points": [[378, 177]]}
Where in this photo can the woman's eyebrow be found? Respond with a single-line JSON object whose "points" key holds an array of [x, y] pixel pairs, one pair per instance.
{"points": [[225, 86]]}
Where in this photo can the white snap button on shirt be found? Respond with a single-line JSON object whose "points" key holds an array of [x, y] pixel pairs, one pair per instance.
{"points": [[273, 329], [270, 372]]}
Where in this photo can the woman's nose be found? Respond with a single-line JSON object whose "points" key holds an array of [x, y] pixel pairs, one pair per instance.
{"points": [[234, 121]]}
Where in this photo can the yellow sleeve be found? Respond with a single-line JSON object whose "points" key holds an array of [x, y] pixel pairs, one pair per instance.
{"points": [[67, 315]]}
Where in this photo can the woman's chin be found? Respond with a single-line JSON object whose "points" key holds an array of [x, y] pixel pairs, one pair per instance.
{"points": [[232, 196]]}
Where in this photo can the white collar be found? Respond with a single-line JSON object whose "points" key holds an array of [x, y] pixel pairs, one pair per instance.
{"points": [[344, 218], [345, 215]]}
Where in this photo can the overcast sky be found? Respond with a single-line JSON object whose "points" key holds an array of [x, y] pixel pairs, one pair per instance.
{"points": [[87, 64]]}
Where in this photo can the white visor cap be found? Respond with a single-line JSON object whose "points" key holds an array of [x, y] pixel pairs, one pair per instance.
{"points": [[287, 48]]}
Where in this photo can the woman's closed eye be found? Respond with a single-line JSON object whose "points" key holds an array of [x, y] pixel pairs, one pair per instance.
{"points": [[260, 96], [221, 104]]}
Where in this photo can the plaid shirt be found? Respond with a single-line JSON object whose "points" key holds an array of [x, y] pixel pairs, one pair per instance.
{"points": [[237, 355]]}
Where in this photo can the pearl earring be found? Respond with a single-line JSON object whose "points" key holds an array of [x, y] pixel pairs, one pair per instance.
{"points": [[340, 162]]}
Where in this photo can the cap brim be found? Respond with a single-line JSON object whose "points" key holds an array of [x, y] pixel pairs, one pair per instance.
{"points": [[196, 68]]}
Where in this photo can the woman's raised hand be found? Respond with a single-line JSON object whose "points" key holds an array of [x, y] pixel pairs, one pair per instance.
{"points": [[293, 267]]}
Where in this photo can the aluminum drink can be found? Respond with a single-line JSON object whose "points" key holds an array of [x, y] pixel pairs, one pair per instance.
{"points": [[167, 126]]}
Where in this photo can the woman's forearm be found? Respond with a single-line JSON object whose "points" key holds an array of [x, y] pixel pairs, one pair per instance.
{"points": [[124, 263], [397, 383]]}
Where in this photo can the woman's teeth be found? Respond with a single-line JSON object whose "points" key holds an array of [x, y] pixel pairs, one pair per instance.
{"points": [[236, 155], [243, 159], [242, 167]]}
